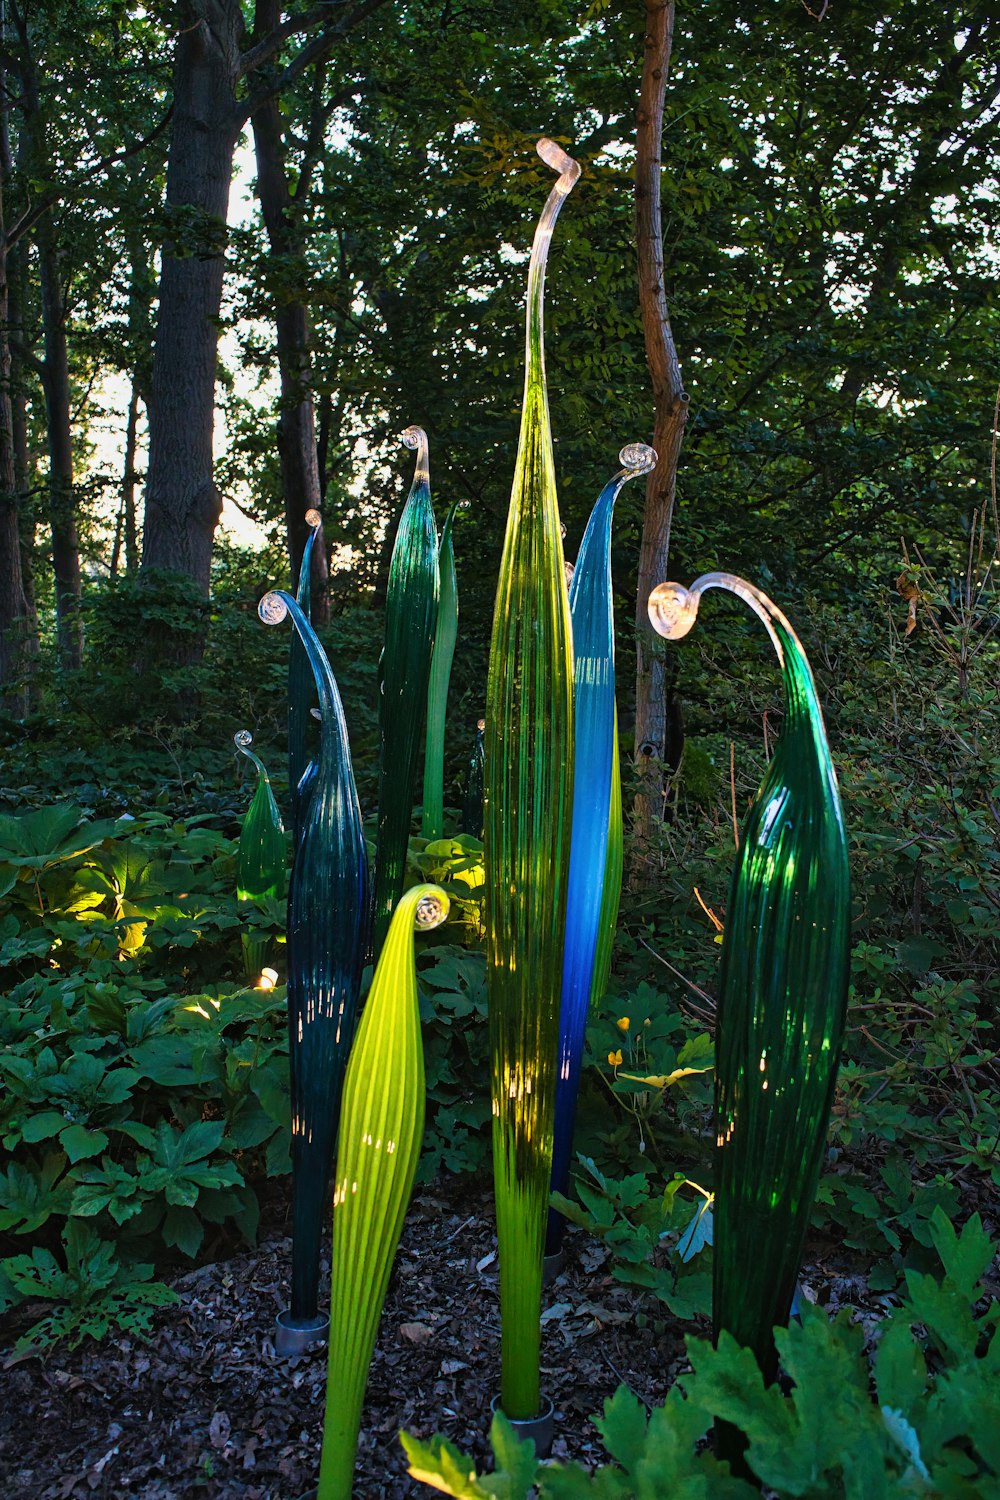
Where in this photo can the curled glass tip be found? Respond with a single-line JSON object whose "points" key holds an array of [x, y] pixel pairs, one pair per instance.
{"points": [[431, 911], [638, 458], [412, 437], [416, 437], [272, 608], [673, 610], [480, 724], [313, 518], [243, 739], [560, 161]]}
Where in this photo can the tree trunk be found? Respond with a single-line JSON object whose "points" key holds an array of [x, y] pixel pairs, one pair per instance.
{"points": [[296, 419], [13, 605], [125, 525], [670, 408], [183, 504], [62, 502]]}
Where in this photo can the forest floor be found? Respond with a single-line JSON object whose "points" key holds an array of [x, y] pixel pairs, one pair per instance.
{"points": [[207, 1410]]}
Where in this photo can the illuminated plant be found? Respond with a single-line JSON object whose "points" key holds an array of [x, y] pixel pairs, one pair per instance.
{"points": [[327, 938], [410, 616], [782, 995], [445, 636], [595, 867], [472, 801], [301, 691], [260, 870], [381, 1129], [528, 808]]}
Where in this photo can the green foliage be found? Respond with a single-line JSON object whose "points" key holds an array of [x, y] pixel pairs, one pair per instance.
{"points": [[932, 1429]]}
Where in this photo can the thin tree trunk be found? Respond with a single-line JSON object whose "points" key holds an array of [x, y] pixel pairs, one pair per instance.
{"points": [[13, 605], [183, 504], [296, 419], [128, 486], [62, 503], [670, 407]]}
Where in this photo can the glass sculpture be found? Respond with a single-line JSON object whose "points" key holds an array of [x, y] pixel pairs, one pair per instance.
{"points": [[260, 869], [301, 691], [472, 801], [381, 1129], [327, 939], [782, 995], [595, 867], [528, 809], [445, 636], [410, 617]]}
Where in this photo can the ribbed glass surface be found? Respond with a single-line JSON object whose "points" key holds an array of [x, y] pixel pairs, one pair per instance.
{"points": [[327, 938], [528, 807], [260, 869], [301, 688], [410, 617], [381, 1130], [782, 1001], [445, 636], [592, 898]]}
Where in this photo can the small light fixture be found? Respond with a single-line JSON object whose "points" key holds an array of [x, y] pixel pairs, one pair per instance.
{"points": [[268, 979]]}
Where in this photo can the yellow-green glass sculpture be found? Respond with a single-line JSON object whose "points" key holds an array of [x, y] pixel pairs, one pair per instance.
{"points": [[260, 869], [381, 1129], [472, 799], [528, 811], [593, 890], [445, 636], [327, 940], [782, 996], [410, 617], [301, 688]]}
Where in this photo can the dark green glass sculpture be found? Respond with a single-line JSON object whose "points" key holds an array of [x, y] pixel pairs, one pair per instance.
{"points": [[445, 636], [593, 891], [260, 870], [782, 996], [410, 617], [381, 1128], [528, 810], [472, 800], [327, 939], [301, 688]]}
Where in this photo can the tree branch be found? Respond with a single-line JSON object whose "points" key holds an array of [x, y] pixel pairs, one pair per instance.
{"points": [[307, 55]]}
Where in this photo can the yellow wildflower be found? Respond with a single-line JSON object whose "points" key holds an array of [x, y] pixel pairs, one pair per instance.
{"points": [[622, 1024], [615, 1058]]}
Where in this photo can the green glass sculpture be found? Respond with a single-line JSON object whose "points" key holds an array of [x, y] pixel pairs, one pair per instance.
{"points": [[410, 617], [592, 891], [381, 1129], [445, 636], [260, 870], [301, 688], [782, 995], [327, 940], [472, 800], [528, 810]]}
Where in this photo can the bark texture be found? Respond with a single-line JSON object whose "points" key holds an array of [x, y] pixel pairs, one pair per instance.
{"points": [[183, 504], [670, 407]]}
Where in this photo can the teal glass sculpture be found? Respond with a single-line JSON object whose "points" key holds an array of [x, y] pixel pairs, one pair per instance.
{"points": [[782, 995], [528, 809], [445, 636], [381, 1129], [260, 869], [410, 617], [301, 689], [327, 940], [472, 798], [595, 868]]}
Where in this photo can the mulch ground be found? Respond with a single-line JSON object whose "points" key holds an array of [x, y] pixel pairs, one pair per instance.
{"points": [[206, 1409]]}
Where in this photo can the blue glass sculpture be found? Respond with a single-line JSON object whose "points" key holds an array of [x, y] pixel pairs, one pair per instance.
{"points": [[301, 689], [782, 998], [327, 939], [410, 617], [260, 869], [445, 636], [472, 800], [592, 898]]}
